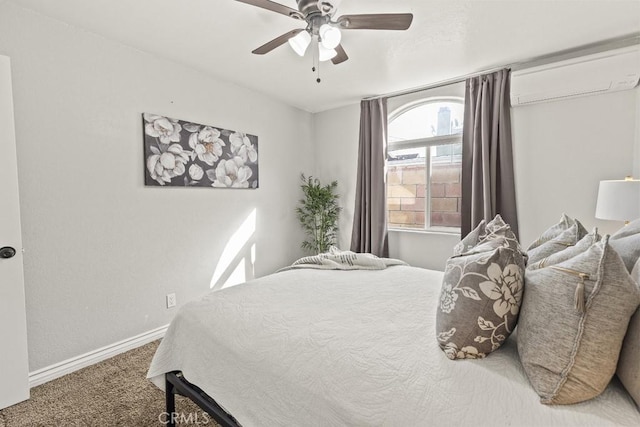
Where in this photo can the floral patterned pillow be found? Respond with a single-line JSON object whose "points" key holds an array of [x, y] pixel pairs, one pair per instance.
{"points": [[480, 299], [494, 229], [557, 229], [573, 321], [471, 239]]}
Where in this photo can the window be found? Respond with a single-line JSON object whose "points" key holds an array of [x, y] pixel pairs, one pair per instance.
{"points": [[424, 167]]}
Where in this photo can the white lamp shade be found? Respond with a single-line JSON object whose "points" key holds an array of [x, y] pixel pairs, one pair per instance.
{"points": [[325, 54], [300, 42], [619, 200], [330, 36]]}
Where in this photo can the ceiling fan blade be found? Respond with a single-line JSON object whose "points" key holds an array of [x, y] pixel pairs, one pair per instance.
{"points": [[274, 7], [341, 56], [278, 41], [382, 21]]}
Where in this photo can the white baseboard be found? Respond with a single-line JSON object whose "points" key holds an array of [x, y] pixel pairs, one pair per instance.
{"points": [[65, 367]]}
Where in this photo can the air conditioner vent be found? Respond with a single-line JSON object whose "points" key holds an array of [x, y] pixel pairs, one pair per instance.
{"points": [[588, 75]]}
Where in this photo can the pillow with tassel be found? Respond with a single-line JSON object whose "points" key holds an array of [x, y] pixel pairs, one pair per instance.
{"points": [[573, 320], [628, 366]]}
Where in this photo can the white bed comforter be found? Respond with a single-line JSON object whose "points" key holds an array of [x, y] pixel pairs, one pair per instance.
{"points": [[354, 348]]}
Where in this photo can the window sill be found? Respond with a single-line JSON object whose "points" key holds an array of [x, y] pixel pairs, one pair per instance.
{"points": [[431, 231]]}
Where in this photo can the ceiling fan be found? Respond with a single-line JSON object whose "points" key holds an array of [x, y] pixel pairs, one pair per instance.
{"points": [[321, 26]]}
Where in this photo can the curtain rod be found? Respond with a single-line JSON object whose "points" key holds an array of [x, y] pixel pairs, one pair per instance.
{"points": [[615, 43]]}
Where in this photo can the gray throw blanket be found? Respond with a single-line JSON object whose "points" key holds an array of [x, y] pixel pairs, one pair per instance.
{"points": [[336, 259]]}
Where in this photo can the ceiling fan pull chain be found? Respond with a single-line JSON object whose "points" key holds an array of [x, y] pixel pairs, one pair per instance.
{"points": [[316, 60], [314, 55]]}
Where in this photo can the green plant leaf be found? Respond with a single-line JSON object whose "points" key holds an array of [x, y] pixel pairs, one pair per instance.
{"points": [[318, 213]]}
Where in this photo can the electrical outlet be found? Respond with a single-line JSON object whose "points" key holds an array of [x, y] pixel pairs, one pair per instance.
{"points": [[171, 300]]}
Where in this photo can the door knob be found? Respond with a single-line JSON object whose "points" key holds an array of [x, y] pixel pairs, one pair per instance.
{"points": [[7, 252]]}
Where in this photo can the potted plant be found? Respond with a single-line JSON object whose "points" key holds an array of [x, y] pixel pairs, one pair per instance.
{"points": [[318, 214]]}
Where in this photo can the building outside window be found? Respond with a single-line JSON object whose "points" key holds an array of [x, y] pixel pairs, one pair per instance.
{"points": [[424, 165]]}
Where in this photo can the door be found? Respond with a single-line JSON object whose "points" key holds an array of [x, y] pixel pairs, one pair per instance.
{"points": [[14, 365]]}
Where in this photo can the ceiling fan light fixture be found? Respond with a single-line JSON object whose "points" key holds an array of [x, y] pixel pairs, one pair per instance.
{"points": [[328, 7], [330, 36], [325, 54], [300, 42], [323, 30]]}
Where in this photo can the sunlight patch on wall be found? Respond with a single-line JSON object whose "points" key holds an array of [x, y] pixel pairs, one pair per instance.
{"points": [[237, 276], [236, 264]]}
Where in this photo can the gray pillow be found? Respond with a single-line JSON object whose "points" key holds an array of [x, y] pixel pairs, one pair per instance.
{"points": [[562, 241], [573, 321], [626, 242], [568, 252], [480, 299], [628, 365], [555, 230]]}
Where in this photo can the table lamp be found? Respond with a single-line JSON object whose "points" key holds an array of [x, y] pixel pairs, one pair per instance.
{"points": [[619, 200]]}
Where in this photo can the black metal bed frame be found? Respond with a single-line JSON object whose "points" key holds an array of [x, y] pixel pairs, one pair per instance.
{"points": [[176, 383]]}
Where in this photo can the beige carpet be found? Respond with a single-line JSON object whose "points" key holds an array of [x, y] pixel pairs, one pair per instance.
{"points": [[112, 392]]}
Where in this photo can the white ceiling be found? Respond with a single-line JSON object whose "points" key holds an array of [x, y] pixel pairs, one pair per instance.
{"points": [[448, 38]]}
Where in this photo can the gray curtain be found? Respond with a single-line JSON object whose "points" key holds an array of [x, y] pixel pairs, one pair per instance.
{"points": [[488, 186], [370, 214]]}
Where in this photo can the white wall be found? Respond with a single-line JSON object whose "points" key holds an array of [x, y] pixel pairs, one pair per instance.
{"points": [[562, 150], [636, 155], [336, 135], [103, 250], [422, 249]]}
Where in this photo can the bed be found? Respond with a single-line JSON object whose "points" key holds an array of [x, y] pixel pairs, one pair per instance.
{"points": [[309, 347]]}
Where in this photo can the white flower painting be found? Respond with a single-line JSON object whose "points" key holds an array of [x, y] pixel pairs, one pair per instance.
{"points": [[185, 154]]}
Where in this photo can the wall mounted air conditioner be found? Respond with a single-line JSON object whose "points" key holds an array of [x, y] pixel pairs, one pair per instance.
{"points": [[598, 73]]}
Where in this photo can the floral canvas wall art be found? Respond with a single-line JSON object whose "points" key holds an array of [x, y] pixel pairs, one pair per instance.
{"points": [[184, 154]]}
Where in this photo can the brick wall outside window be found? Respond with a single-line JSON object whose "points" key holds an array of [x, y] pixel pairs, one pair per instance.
{"points": [[406, 195]]}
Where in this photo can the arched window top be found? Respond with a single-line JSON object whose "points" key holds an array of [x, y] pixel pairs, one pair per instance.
{"points": [[426, 118]]}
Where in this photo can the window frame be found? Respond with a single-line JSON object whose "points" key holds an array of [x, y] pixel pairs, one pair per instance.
{"points": [[427, 143]]}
